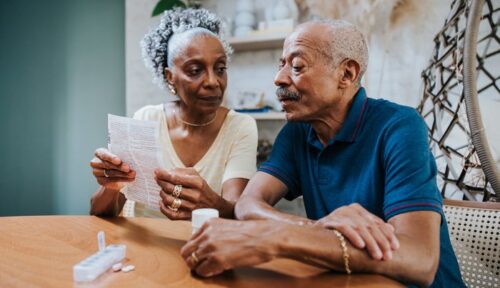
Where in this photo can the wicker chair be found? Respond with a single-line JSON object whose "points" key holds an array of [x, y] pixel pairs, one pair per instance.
{"points": [[475, 235]]}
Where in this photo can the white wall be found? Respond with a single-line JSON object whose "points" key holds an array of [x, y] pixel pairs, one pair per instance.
{"points": [[398, 54]]}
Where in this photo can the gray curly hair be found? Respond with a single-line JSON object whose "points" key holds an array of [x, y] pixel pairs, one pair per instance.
{"points": [[155, 44]]}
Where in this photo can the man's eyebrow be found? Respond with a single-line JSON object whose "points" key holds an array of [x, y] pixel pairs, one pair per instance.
{"points": [[293, 55], [297, 54]]}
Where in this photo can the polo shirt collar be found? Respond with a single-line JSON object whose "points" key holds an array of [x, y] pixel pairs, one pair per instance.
{"points": [[352, 122]]}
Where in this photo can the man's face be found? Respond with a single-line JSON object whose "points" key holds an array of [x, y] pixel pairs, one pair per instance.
{"points": [[307, 83]]}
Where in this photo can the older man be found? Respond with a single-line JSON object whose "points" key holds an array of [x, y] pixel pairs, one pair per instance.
{"points": [[362, 165]]}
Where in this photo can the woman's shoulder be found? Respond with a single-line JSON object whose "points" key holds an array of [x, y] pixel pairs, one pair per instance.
{"points": [[239, 124], [149, 112], [237, 118]]}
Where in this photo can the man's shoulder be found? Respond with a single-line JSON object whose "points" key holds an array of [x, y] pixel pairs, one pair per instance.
{"points": [[385, 112], [391, 109]]}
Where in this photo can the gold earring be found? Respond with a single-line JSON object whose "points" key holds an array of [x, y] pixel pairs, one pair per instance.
{"points": [[172, 89]]}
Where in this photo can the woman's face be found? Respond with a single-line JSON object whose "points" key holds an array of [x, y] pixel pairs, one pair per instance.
{"points": [[199, 73]]}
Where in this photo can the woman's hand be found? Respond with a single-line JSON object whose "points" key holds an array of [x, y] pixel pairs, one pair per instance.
{"points": [[110, 171], [192, 192]]}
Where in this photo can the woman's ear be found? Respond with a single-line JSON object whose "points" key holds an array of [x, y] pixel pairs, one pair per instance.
{"points": [[169, 76], [350, 71]]}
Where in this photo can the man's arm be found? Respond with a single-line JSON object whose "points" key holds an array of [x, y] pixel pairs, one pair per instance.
{"points": [[361, 228], [223, 244], [260, 195], [415, 262]]}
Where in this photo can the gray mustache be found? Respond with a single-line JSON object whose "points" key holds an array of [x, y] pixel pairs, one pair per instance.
{"points": [[285, 94]]}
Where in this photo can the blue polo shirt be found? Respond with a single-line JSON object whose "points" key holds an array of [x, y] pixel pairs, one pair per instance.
{"points": [[380, 158]]}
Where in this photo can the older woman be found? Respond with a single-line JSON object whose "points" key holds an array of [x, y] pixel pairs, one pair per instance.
{"points": [[209, 150]]}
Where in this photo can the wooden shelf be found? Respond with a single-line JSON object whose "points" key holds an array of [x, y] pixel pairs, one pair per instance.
{"points": [[268, 115], [257, 42]]}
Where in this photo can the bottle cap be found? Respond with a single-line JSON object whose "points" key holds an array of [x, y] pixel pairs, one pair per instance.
{"points": [[199, 216]]}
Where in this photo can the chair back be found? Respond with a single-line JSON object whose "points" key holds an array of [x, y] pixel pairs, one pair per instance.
{"points": [[474, 229]]}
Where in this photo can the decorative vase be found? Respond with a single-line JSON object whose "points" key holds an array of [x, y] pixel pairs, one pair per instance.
{"points": [[281, 10], [245, 17]]}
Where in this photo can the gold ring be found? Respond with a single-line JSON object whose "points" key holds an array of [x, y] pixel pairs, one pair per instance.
{"points": [[175, 205], [195, 257], [105, 174], [177, 191]]}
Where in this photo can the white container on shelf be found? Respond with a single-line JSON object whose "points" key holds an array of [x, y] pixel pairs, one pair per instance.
{"points": [[244, 21]]}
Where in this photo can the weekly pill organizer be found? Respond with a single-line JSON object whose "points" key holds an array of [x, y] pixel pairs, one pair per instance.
{"points": [[96, 264]]}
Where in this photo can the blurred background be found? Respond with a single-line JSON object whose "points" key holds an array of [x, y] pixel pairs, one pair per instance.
{"points": [[64, 65], [62, 69]]}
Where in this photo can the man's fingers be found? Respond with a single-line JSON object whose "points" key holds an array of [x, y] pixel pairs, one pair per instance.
{"points": [[194, 242], [371, 244], [352, 235], [383, 243], [209, 267], [388, 230]]}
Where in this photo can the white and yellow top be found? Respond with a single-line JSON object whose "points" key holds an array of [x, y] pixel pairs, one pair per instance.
{"points": [[232, 154]]}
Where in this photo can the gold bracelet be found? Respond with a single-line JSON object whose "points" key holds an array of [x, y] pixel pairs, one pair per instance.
{"points": [[345, 255]]}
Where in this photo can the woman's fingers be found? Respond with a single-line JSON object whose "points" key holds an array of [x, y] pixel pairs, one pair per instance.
{"points": [[104, 154], [168, 200], [174, 215], [109, 173], [106, 160], [186, 180], [185, 193], [112, 182]]}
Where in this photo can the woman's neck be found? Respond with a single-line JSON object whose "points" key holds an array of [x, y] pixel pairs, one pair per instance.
{"points": [[189, 119]]}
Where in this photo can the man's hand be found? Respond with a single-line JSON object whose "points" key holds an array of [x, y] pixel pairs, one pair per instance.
{"points": [[225, 244], [363, 230]]}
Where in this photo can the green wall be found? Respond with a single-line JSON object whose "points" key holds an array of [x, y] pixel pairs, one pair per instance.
{"points": [[62, 69]]}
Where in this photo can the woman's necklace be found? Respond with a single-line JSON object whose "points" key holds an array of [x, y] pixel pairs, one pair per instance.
{"points": [[195, 124]]}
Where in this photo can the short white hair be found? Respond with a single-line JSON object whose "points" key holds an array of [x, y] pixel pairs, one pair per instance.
{"points": [[343, 41]]}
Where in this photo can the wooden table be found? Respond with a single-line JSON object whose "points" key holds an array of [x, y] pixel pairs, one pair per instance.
{"points": [[40, 251]]}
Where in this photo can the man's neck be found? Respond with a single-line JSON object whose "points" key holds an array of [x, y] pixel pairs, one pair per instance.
{"points": [[327, 125]]}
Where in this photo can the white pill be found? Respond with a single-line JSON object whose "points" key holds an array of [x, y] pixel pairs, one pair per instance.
{"points": [[117, 267], [128, 268]]}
